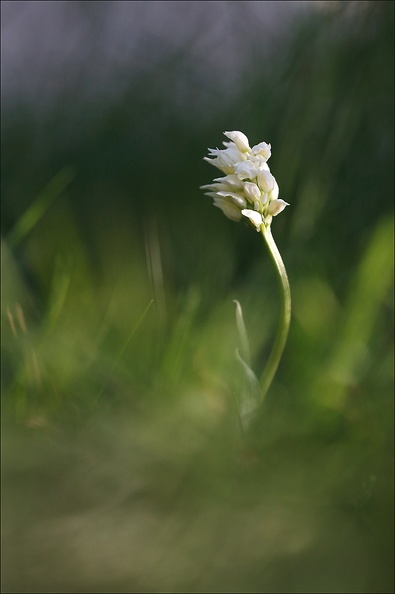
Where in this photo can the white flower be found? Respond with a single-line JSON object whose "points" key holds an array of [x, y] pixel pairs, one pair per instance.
{"points": [[240, 140], [273, 195], [216, 187], [255, 217], [259, 162], [236, 198], [225, 159], [250, 168], [247, 180], [252, 191], [266, 181], [229, 209], [276, 206], [246, 170], [231, 180], [262, 149]]}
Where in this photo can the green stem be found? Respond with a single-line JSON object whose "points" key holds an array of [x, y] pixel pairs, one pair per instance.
{"points": [[285, 315]]}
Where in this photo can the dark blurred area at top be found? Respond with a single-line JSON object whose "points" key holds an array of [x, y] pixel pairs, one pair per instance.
{"points": [[130, 94]]}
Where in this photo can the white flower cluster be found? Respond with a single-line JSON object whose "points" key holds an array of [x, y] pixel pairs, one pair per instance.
{"points": [[248, 188]]}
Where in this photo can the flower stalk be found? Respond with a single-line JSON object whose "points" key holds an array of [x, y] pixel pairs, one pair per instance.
{"points": [[285, 314], [249, 192]]}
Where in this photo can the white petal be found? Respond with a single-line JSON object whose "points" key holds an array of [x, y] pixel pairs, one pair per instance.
{"points": [[216, 187], [236, 198], [233, 155], [229, 209], [255, 217], [262, 149], [276, 206], [266, 181], [252, 191], [259, 163], [230, 180], [246, 170], [273, 195], [240, 140], [226, 159], [220, 164]]}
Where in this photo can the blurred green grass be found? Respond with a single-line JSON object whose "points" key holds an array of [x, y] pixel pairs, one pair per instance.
{"points": [[121, 469]]}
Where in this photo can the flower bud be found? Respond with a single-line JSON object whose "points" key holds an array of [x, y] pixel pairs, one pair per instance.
{"points": [[240, 140]]}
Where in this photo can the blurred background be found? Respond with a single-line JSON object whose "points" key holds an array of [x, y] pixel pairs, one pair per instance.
{"points": [[122, 467]]}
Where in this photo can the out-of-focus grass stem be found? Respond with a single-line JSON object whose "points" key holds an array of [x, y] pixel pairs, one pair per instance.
{"points": [[39, 207]]}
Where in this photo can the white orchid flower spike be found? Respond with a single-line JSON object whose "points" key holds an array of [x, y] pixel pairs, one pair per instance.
{"points": [[248, 185], [249, 192]]}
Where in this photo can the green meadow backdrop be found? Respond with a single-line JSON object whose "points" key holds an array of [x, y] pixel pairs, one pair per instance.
{"points": [[122, 467]]}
